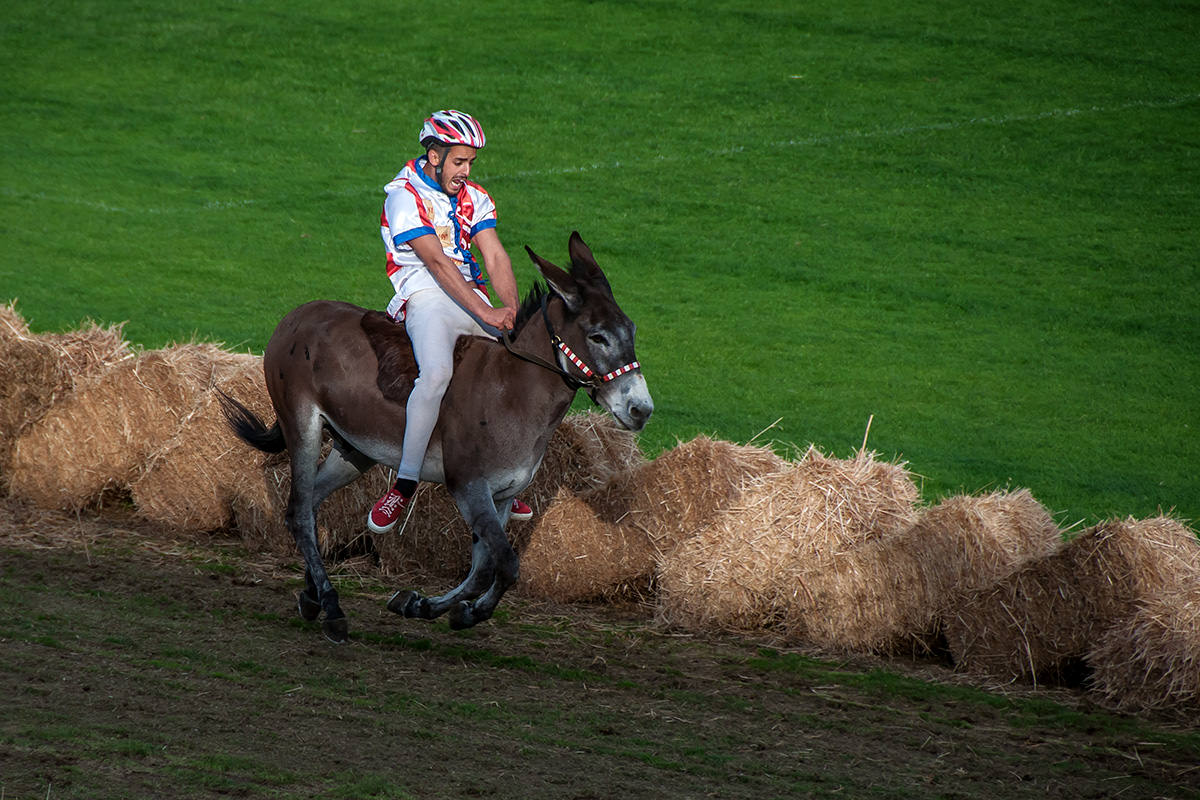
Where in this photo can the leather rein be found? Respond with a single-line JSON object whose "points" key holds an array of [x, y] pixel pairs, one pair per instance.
{"points": [[591, 380]]}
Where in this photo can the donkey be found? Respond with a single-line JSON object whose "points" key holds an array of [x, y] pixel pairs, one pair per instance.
{"points": [[335, 367]]}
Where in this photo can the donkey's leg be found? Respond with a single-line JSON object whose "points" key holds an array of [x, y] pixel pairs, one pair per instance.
{"points": [[302, 522], [506, 572], [410, 603], [340, 467], [475, 504], [306, 602]]}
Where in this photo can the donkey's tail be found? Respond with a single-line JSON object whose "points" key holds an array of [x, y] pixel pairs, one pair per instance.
{"points": [[249, 428]]}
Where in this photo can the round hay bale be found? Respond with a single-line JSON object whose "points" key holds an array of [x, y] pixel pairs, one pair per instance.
{"points": [[38, 370], [1028, 626], [432, 539], [1039, 623], [342, 519], [258, 507], [189, 483], [741, 571], [572, 555], [675, 495], [258, 510], [94, 441], [968, 542], [889, 594], [1150, 660], [585, 452]]}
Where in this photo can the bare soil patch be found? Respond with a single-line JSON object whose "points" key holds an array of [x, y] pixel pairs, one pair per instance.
{"points": [[134, 667]]}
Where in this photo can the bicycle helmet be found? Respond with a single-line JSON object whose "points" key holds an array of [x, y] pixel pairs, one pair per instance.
{"points": [[452, 127]]}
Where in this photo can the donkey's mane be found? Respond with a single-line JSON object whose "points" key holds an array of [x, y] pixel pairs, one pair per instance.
{"points": [[530, 306]]}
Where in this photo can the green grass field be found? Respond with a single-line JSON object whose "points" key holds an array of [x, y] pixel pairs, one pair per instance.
{"points": [[975, 226]]}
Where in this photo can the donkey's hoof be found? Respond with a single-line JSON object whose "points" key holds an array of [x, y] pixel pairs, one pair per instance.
{"points": [[407, 603], [336, 630], [462, 615], [309, 609]]}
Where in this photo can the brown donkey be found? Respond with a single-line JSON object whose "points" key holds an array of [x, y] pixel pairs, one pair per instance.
{"points": [[339, 368]]}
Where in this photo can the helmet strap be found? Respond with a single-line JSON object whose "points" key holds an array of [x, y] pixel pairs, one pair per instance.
{"points": [[441, 151]]}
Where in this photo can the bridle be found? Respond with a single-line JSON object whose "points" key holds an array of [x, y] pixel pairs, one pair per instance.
{"points": [[591, 380]]}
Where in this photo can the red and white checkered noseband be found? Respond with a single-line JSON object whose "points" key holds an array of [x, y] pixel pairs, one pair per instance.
{"points": [[588, 371]]}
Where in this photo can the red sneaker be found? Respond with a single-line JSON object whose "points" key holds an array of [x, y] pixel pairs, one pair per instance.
{"points": [[520, 511], [387, 511]]}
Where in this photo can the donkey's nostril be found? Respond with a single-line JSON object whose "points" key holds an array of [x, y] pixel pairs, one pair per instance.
{"points": [[641, 411]]}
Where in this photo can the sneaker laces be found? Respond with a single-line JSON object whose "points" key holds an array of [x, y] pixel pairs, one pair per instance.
{"points": [[393, 499]]}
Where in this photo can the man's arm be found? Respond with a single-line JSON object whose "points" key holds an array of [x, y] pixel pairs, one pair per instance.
{"points": [[429, 249], [499, 267]]}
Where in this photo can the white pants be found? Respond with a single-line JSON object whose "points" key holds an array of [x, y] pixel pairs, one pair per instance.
{"points": [[434, 323]]}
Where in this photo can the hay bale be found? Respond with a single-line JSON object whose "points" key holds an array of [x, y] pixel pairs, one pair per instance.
{"points": [[741, 572], [38, 370], [968, 542], [1040, 623], [258, 508], [675, 495], [93, 442], [890, 594], [585, 452], [1150, 660], [433, 539], [342, 519], [189, 483], [573, 555]]}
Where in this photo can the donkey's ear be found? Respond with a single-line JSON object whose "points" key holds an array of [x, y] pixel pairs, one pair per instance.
{"points": [[583, 263], [560, 282], [581, 254]]}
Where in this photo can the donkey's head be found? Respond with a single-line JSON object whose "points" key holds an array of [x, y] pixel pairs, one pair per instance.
{"points": [[598, 334]]}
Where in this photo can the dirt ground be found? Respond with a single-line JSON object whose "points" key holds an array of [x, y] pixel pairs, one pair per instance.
{"points": [[133, 665]]}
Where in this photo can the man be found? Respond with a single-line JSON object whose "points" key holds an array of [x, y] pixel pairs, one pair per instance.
{"points": [[431, 216]]}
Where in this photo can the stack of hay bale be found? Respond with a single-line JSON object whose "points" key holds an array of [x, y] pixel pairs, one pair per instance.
{"points": [[835, 553], [87, 418], [886, 595], [821, 550]]}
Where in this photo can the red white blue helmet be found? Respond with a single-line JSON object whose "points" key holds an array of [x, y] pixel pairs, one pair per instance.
{"points": [[452, 127]]}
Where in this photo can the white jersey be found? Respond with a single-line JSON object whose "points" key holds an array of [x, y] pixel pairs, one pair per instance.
{"points": [[416, 205]]}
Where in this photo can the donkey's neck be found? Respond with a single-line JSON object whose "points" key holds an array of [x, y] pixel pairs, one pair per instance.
{"points": [[498, 418], [533, 379]]}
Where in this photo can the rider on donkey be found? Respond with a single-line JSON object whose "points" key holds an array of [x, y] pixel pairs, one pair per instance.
{"points": [[431, 216]]}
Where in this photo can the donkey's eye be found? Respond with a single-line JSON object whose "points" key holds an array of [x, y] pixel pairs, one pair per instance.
{"points": [[598, 338]]}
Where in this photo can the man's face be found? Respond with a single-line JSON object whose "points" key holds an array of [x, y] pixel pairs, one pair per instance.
{"points": [[456, 166]]}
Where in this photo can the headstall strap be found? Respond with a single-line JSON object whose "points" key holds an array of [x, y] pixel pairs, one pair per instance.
{"points": [[576, 360], [585, 369], [619, 371]]}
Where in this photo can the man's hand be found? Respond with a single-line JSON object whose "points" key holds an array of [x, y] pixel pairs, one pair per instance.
{"points": [[501, 318]]}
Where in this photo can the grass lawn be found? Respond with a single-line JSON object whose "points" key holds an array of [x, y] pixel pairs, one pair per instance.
{"points": [[975, 227]]}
